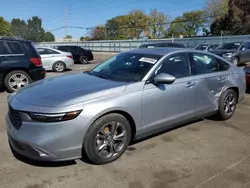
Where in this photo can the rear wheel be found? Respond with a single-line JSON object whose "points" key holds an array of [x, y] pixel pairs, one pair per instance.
{"points": [[83, 59], [107, 139], [15, 80], [59, 66], [227, 104], [235, 61]]}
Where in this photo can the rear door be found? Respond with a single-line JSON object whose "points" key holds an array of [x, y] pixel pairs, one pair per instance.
{"points": [[4, 54], [211, 75], [17, 56]]}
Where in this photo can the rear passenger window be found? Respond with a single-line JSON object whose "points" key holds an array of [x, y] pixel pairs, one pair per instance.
{"points": [[203, 64], [3, 49], [15, 48]]}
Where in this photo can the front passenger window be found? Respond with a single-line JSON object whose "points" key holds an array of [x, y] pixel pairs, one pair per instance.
{"points": [[176, 65]]}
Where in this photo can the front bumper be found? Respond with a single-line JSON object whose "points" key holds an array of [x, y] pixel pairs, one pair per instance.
{"points": [[59, 141]]}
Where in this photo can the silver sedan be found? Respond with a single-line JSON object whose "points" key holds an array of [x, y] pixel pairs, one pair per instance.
{"points": [[97, 114], [55, 60]]}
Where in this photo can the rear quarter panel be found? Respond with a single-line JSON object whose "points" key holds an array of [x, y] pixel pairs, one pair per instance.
{"points": [[237, 79]]}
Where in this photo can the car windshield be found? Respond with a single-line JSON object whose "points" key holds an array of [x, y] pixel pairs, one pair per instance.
{"points": [[126, 67], [230, 46]]}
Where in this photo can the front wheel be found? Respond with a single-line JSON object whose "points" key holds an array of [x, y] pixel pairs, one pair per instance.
{"points": [[107, 139], [227, 105]]}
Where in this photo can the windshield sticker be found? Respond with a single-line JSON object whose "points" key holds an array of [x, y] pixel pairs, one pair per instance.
{"points": [[148, 60]]}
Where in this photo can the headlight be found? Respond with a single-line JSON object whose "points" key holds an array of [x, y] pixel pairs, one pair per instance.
{"points": [[54, 117]]}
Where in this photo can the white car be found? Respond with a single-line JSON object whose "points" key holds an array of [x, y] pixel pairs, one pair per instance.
{"points": [[55, 60]]}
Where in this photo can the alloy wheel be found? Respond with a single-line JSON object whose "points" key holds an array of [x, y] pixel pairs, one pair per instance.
{"points": [[110, 140], [229, 104], [59, 67], [17, 81], [83, 60]]}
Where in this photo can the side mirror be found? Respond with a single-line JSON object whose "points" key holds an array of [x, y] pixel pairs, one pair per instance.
{"points": [[164, 78]]}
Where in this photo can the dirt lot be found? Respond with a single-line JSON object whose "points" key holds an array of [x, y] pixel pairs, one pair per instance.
{"points": [[204, 154]]}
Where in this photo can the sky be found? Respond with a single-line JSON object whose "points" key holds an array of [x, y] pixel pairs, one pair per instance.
{"points": [[87, 13]]}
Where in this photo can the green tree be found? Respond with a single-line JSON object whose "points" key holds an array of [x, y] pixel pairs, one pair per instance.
{"points": [[98, 33], [236, 21], [216, 9], [48, 37], [115, 28], [136, 22], [35, 30], [19, 28], [189, 24], [5, 29], [157, 22]]}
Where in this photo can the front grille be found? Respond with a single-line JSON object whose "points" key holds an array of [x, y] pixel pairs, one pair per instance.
{"points": [[15, 118]]}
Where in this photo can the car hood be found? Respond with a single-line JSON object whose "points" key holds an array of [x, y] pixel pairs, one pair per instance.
{"points": [[68, 90]]}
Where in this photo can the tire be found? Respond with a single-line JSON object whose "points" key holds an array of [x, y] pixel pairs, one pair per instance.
{"points": [[59, 66], [99, 134], [83, 59], [223, 105], [235, 61], [10, 78]]}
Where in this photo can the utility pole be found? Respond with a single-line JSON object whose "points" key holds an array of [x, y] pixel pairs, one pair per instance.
{"points": [[66, 22]]}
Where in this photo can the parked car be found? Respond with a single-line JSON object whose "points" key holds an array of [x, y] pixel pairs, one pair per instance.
{"points": [[79, 54], [247, 71], [206, 47], [20, 64], [235, 52], [202, 46], [162, 44], [212, 47], [55, 60], [129, 96]]}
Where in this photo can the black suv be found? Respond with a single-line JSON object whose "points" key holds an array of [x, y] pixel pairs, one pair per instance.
{"points": [[20, 64], [236, 52], [79, 54], [162, 45]]}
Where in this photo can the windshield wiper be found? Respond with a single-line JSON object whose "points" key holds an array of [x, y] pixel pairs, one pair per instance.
{"points": [[100, 76]]}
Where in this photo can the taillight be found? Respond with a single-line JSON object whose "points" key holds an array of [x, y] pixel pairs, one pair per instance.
{"points": [[36, 61], [70, 56]]}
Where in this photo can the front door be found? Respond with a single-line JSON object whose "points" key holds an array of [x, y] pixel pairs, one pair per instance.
{"points": [[166, 104]]}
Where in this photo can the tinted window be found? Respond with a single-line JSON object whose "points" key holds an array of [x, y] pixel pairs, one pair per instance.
{"points": [[44, 51], [15, 48], [179, 45], [63, 48], [30, 50], [203, 64], [230, 46], [3, 49], [247, 45], [127, 67], [176, 65]]}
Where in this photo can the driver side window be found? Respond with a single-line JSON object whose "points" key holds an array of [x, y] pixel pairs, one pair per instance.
{"points": [[176, 65]]}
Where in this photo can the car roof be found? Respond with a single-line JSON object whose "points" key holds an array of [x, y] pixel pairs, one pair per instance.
{"points": [[13, 39], [155, 51]]}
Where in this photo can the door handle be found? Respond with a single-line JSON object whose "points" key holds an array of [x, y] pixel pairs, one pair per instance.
{"points": [[222, 79], [190, 84]]}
